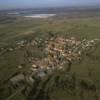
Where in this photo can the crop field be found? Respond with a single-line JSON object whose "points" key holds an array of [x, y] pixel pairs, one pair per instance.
{"points": [[15, 29]]}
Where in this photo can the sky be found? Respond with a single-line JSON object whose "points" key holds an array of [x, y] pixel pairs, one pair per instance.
{"points": [[12, 4]]}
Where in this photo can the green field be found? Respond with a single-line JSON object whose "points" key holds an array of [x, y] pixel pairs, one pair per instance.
{"points": [[21, 27], [27, 29]]}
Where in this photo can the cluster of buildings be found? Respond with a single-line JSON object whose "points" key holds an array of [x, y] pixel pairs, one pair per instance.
{"points": [[59, 51]]}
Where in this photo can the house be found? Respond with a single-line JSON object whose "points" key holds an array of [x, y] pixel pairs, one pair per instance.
{"points": [[17, 80], [40, 74]]}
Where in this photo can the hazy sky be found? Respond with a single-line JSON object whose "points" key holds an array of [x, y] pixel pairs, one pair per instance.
{"points": [[8, 4]]}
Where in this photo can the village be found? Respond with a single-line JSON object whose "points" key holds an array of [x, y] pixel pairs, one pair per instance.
{"points": [[60, 51]]}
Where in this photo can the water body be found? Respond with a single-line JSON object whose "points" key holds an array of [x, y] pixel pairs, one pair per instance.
{"points": [[40, 15]]}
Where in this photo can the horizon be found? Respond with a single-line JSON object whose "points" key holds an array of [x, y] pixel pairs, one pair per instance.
{"points": [[26, 4], [57, 7]]}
